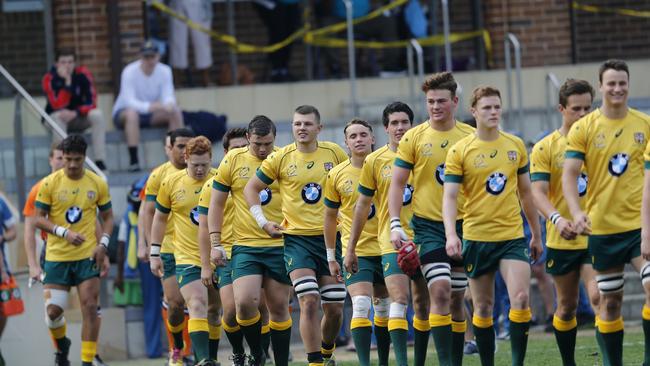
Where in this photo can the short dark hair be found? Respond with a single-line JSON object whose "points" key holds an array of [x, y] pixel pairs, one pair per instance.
{"points": [[483, 91], [65, 52], [261, 125], [308, 109], [180, 132], [54, 147], [356, 121], [233, 133], [396, 107], [614, 64], [574, 87], [75, 144], [441, 81]]}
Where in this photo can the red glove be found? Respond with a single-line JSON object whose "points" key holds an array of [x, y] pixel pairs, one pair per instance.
{"points": [[408, 258]]}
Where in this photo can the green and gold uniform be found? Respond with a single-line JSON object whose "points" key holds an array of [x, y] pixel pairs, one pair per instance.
{"points": [[301, 177], [376, 175], [72, 204], [254, 252], [488, 173], [341, 193], [562, 256], [152, 187], [612, 151], [423, 151], [179, 198]]}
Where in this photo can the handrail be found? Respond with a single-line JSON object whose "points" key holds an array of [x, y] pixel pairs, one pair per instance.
{"points": [[351, 58], [552, 86], [415, 45], [46, 117], [446, 30], [512, 39]]}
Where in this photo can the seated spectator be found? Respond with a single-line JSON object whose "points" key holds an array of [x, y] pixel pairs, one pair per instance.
{"points": [[72, 102], [146, 99]]}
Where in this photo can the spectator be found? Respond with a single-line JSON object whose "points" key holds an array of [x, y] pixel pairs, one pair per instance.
{"points": [[146, 99], [72, 102], [198, 11]]}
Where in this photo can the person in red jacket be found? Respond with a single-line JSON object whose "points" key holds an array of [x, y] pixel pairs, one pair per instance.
{"points": [[72, 102]]}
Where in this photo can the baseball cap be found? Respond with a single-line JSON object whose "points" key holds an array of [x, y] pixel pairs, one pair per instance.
{"points": [[149, 48]]}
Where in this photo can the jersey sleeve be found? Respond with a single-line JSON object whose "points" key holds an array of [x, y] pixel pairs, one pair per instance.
{"points": [[103, 196], [454, 165], [152, 186], [163, 199], [332, 197], [524, 166], [367, 184], [406, 152], [540, 162], [577, 141], [44, 196], [205, 196], [30, 204], [223, 178], [270, 168]]}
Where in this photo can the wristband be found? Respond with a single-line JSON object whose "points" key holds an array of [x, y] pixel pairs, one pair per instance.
{"points": [[105, 240], [395, 223], [214, 238], [331, 254], [155, 250], [60, 231], [555, 217], [258, 214]]}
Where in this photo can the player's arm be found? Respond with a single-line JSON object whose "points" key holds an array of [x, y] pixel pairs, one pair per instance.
{"points": [[143, 250], [251, 194], [214, 221], [148, 209], [449, 214], [207, 276], [329, 232], [570, 173], [540, 190], [158, 227], [530, 211], [29, 236], [395, 192], [43, 223], [359, 219]]}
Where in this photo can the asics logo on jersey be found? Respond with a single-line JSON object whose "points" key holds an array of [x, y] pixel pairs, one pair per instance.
{"points": [[618, 133], [310, 164], [496, 183], [194, 215], [198, 190], [73, 215], [311, 193], [583, 180], [618, 164], [494, 153], [440, 174], [444, 144], [407, 196], [265, 196], [373, 211]]}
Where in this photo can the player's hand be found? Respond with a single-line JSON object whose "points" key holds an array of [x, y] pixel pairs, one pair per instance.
{"points": [[106, 267], [118, 284], [351, 262], [156, 266], [335, 270], [582, 224], [35, 273], [454, 247], [273, 229], [535, 248], [99, 255], [218, 256], [207, 276], [566, 228], [645, 247], [143, 253], [397, 236], [74, 238]]}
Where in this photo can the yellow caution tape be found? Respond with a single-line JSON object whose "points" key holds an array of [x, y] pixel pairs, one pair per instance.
{"points": [[334, 28], [619, 11]]}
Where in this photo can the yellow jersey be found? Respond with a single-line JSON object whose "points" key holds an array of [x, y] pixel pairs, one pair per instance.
{"points": [[423, 150], [341, 193], [227, 236], [73, 205], [376, 174], [488, 172], [546, 163], [612, 151], [179, 198], [301, 178], [151, 191], [236, 168]]}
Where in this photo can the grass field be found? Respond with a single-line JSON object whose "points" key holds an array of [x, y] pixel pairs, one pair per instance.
{"points": [[542, 351]]}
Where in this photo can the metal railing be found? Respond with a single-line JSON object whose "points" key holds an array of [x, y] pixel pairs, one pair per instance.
{"points": [[414, 45], [511, 39], [552, 87], [351, 58], [447, 31]]}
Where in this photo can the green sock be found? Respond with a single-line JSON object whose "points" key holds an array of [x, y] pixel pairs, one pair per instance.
{"points": [[63, 344], [518, 341], [266, 341], [214, 348], [398, 337], [566, 342], [457, 346], [236, 340], [86, 364], [613, 348], [601, 346], [201, 345], [383, 344], [252, 330], [361, 337], [646, 333], [485, 343], [281, 340], [442, 340]]}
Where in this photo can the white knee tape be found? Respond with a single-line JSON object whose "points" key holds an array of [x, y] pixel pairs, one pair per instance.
{"points": [[645, 273], [360, 306], [436, 272], [381, 306], [458, 281], [56, 323], [333, 294], [397, 310], [305, 286], [610, 283], [56, 297]]}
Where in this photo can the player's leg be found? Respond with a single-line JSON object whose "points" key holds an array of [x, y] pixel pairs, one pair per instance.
{"points": [[644, 270], [247, 292], [196, 298], [421, 320], [175, 314], [89, 298], [266, 328], [381, 307], [306, 287], [360, 325], [397, 284], [277, 301], [229, 319], [516, 274], [56, 299], [214, 321], [609, 321], [482, 290], [332, 294], [565, 324], [457, 310]]}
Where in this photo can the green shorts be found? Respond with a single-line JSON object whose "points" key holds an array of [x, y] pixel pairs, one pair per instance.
{"points": [[481, 257], [69, 273], [369, 271], [224, 275], [308, 251], [562, 261], [390, 266], [169, 265], [268, 262], [431, 240], [608, 251], [187, 273]]}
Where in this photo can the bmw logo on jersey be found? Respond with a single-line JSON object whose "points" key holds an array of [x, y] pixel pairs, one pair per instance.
{"points": [[73, 215], [440, 174], [496, 183], [265, 196], [618, 164], [583, 180], [194, 215], [407, 196], [311, 193]]}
